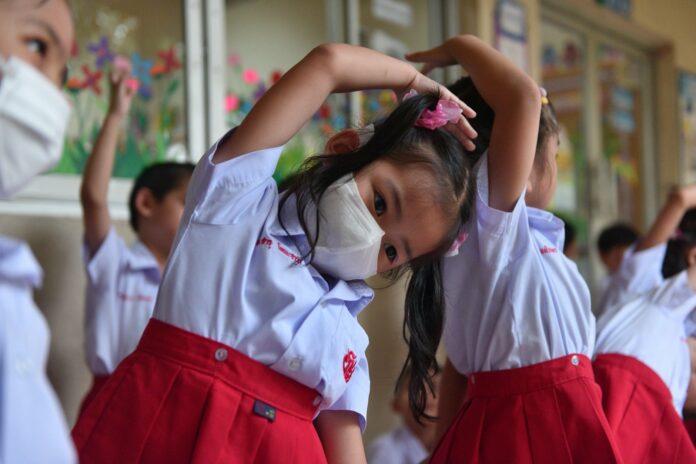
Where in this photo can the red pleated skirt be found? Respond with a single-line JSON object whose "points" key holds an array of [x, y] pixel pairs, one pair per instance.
{"points": [[98, 381], [639, 408], [183, 398], [549, 412]]}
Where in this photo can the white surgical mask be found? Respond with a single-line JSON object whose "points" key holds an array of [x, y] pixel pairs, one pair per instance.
{"points": [[349, 237], [33, 119]]}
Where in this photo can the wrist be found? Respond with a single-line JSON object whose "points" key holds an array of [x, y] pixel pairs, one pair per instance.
{"points": [[114, 116]]}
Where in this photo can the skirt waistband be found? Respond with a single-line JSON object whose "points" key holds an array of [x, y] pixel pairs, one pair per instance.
{"points": [[529, 378], [231, 366], [640, 370]]}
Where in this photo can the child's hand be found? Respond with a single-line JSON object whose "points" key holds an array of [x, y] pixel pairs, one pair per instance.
{"points": [[437, 57], [462, 129], [122, 91]]}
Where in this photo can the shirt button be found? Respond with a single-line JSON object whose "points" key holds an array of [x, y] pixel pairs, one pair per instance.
{"points": [[316, 401], [574, 360], [220, 354], [295, 364]]}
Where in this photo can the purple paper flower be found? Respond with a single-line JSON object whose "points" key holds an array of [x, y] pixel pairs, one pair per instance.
{"points": [[141, 71], [102, 53]]}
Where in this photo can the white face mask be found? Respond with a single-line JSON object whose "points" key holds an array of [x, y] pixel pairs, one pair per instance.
{"points": [[349, 237], [33, 119]]}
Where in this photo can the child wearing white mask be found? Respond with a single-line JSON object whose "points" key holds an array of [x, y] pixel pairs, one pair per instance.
{"points": [[254, 338], [35, 39]]}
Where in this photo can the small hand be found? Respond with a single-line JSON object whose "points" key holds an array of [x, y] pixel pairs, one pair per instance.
{"points": [[462, 129], [121, 91]]}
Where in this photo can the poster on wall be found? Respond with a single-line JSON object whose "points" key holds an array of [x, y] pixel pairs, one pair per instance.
{"points": [[511, 32], [687, 121]]}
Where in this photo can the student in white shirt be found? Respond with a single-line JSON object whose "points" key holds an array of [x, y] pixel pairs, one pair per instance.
{"points": [[643, 362], [641, 265], [122, 280], [254, 352], [35, 42], [413, 440], [518, 324]]}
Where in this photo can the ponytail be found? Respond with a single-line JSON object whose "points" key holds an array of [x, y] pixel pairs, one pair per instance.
{"points": [[422, 332]]}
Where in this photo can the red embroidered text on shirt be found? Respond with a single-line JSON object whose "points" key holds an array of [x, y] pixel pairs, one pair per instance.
{"points": [[268, 243], [546, 250], [350, 360]]}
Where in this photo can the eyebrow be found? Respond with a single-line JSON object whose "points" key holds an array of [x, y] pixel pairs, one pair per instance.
{"points": [[51, 32], [396, 197]]}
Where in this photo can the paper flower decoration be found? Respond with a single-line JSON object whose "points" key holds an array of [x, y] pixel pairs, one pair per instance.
{"points": [[92, 79], [231, 103], [169, 60], [260, 91], [122, 63], [275, 76], [233, 59], [141, 71], [250, 76], [102, 53], [74, 84]]}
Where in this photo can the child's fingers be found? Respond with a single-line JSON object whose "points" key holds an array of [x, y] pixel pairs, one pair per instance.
{"points": [[466, 109], [461, 136], [467, 128]]}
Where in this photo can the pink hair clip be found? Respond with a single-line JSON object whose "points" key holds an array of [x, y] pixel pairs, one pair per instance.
{"points": [[445, 111], [458, 242]]}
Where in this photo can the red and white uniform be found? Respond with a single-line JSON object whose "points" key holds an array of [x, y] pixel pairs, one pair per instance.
{"points": [[122, 285], [247, 344], [518, 323], [643, 366]]}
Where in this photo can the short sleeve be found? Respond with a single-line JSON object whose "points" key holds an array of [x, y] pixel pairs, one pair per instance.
{"points": [[641, 271], [222, 193], [356, 395], [675, 294], [500, 235], [104, 265]]}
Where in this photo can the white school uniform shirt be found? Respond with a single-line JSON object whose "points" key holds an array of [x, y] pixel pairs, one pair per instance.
{"points": [[122, 285], [236, 276], [398, 446], [650, 328], [639, 272], [512, 297], [32, 425]]}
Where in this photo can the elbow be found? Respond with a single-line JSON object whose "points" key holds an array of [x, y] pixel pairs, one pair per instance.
{"points": [[327, 57], [90, 200]]}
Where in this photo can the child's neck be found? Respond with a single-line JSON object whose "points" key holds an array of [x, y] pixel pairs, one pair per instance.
{"points": [[155, 249]]}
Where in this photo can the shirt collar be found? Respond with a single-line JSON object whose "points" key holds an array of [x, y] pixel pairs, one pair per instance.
{"points": [[18, 264], [547, 224], [141, 259]]}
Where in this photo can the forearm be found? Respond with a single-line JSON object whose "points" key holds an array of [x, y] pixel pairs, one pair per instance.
{"points": [[100, 164], [499, 81], [667, 220], [452, 393], [341, 437]]}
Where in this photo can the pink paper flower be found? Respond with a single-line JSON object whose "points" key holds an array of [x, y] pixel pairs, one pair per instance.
{"points": [[233, 59], [250, 76], [231, 103], [121, 62]]}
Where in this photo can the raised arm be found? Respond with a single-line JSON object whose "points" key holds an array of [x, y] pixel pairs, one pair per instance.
{"points": [[327, 69], [678, 203], [516, 100], [95, 180]]}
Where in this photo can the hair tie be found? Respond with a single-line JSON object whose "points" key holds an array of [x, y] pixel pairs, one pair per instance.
{"points": [[544, 96], [458, 242], [445, 111]]}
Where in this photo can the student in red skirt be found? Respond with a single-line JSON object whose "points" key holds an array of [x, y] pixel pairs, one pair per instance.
{"points": [[122, 280], [518, 322], [643, 362], [254, 339]]}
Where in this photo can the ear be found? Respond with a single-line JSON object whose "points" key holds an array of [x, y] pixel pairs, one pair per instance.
{"points": [[144, 202], [343, 142], [691, 256], [395, 406]]}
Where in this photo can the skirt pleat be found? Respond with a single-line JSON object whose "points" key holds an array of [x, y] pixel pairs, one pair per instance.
{"points": [[639, 409], [182, 398], [546, 413]]}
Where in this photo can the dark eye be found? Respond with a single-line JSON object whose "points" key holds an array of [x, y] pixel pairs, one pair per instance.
{"points": [[37, 46], [380, 205], [390, 251]]}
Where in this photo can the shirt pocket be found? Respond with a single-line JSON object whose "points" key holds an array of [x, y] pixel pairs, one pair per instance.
{"points": [[325, 351]]}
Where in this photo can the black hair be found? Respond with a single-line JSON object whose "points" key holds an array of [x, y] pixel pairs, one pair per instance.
{"points": [[676, 259], [570, 233], [160, 179], [465, 89], [619, 234], [396, 139]]}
